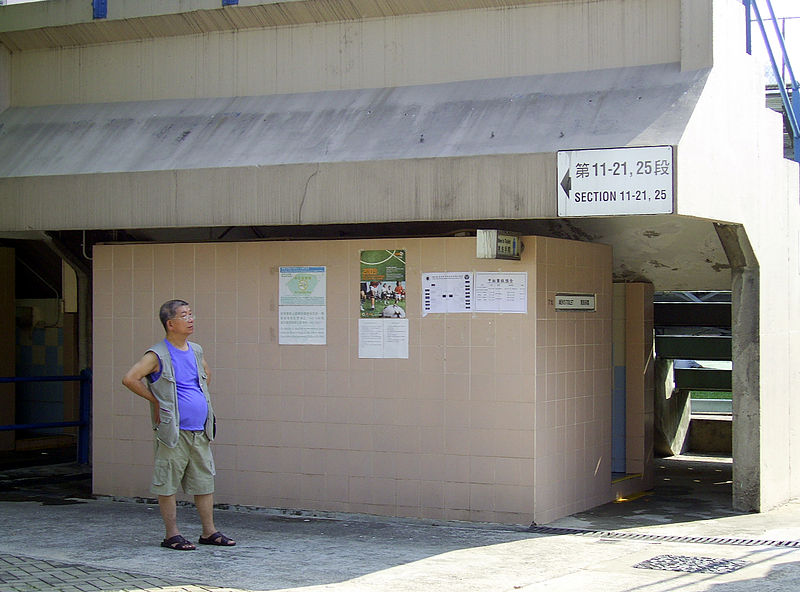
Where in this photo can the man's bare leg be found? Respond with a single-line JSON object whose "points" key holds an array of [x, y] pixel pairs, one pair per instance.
{"points": [[169, 514], [205, 507]]}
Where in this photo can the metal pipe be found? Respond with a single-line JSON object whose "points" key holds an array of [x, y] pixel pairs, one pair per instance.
{"points": [[4, 379], [36, 426], [748, 29], [796, 105], [83, 275], [782, 44]]}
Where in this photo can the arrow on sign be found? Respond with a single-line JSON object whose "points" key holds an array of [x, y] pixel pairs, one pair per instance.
{"points": [[566, 183]]}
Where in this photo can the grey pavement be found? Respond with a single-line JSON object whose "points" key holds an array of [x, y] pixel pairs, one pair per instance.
{"points": [[681, 536]]}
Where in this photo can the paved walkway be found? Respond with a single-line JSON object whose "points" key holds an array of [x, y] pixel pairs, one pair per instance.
{"points": [[23, 574], [678, 538]]}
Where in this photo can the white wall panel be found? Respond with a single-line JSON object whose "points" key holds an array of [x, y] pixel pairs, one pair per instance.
{"points": [[173, 74], [258, 56], [108, 68], [36, 77], [217, 64]]}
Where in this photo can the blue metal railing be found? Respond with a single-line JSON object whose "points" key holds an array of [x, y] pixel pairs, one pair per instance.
{"points": [[791, 105], [84, 406]]}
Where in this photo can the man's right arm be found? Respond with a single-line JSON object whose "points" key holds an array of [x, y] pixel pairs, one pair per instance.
{"points": [[133, 380]]}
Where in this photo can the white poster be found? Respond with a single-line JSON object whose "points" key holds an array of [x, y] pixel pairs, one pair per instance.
{"points": [[302, 311], [383, 338], [446, 292], [498, 291]]}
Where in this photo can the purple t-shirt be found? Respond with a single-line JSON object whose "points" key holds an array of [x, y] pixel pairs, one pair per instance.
{"points": [[192, 406]]}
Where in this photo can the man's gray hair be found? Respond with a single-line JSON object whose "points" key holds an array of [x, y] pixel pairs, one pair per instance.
{"points": [[169, 309]]}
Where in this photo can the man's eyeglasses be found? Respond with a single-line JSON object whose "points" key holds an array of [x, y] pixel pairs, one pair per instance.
{"points": [[184, 317]]}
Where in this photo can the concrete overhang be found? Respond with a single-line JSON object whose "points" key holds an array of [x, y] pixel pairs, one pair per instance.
{"points": [[70, 23], [471, 150], [637, 106]]}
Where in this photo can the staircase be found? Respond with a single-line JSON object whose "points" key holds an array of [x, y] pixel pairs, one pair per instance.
{"points": [[693, 328], [787, 90], [693, 346], [775, 102]]}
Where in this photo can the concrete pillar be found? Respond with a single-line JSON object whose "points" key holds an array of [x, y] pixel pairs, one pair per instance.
{"points": [[7, 345], [5, 78], [639, 380], [746, 367], [697, 34], [672, 412]]}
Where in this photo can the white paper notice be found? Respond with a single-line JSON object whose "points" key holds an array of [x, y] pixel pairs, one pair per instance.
{"points": [[501, 291], [302, 312], [447, 292], [301, 325], [383, 338]]}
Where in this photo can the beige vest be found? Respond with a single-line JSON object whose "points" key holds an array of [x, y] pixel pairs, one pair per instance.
{"points": [[165, 390]]}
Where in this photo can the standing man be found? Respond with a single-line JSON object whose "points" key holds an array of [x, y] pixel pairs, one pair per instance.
{"points": [[173, 376]]}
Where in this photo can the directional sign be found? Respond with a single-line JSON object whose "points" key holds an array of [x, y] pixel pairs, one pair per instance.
{"points": [[615, 181]]}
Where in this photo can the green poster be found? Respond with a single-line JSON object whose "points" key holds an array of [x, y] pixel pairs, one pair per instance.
{"points": [[383, 284]]}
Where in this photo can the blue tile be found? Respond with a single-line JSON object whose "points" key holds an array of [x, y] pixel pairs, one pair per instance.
{"points": [[38, 337]]}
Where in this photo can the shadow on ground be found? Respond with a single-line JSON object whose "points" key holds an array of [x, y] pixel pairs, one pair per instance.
{"points": [[686, 488], [51, 477]]}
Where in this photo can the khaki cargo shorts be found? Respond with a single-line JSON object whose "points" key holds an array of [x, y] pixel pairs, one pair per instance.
{"points": [[190, 465]]}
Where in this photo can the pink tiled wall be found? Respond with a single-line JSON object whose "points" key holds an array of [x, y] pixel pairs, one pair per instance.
{"points": [[493, 417], [573, 381]]}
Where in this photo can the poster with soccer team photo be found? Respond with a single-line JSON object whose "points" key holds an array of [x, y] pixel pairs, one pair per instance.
{"points": [[382, 323], [383, 284]]}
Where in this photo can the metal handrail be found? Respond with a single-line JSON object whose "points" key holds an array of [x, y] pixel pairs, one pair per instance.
{"points": [[791, 107], [84, 407]]}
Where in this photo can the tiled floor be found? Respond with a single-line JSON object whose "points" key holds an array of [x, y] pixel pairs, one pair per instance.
{"points": [[22, 574]]}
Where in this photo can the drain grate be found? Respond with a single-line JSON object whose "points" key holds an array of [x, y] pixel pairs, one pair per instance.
{"points": [[709, 565], [613, 534]]}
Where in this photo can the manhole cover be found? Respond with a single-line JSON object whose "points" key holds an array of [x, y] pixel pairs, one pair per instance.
{"points": [[712, 565]]}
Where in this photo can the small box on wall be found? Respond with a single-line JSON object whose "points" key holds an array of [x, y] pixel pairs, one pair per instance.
{"points": [[498, 244]]}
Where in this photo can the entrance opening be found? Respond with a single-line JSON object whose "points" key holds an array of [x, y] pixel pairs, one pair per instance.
{"points": [[39, 385], [693, 406], [693, 367]]}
